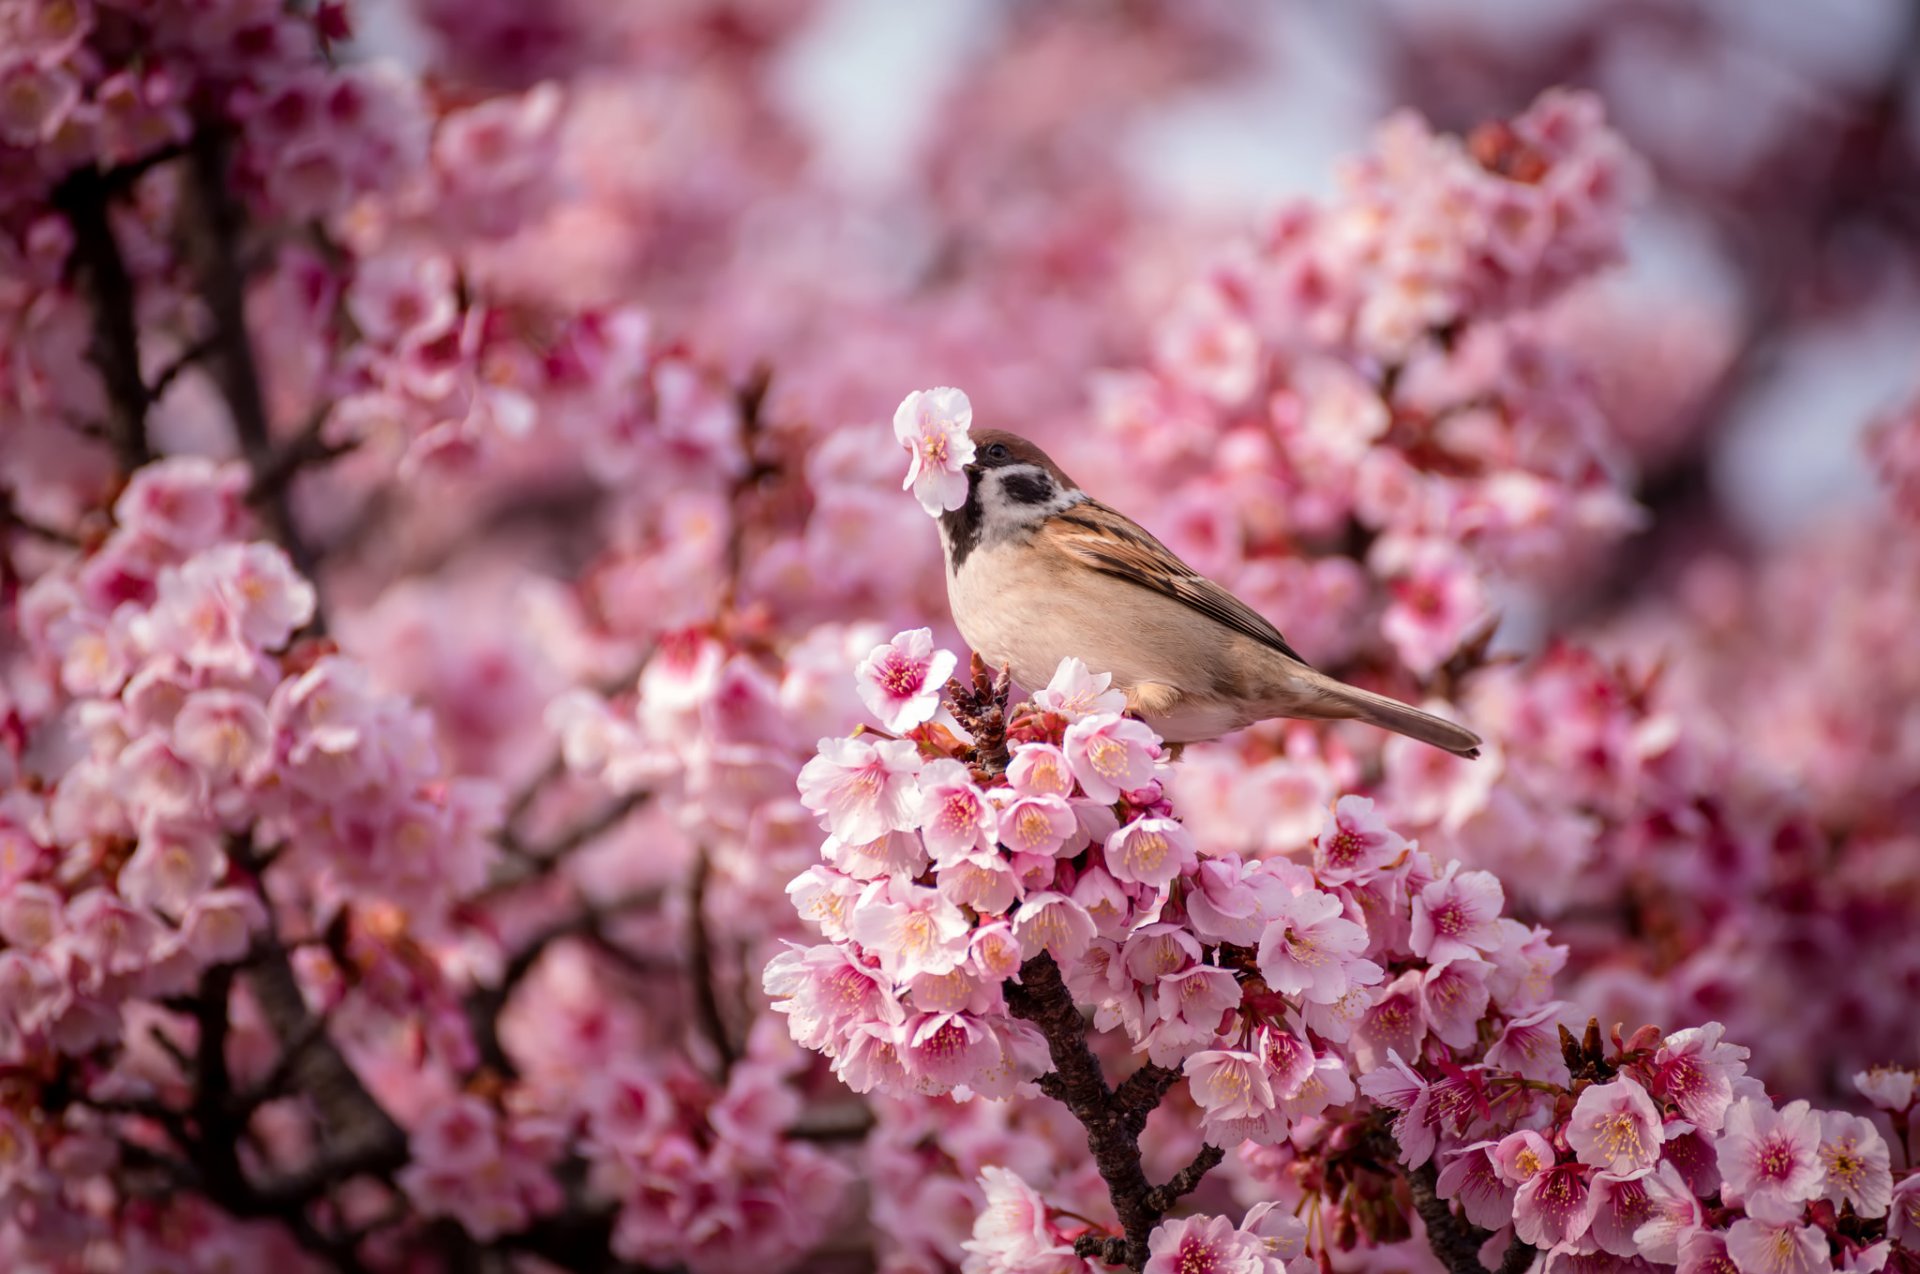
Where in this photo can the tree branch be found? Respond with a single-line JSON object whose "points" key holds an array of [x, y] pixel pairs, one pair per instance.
{"points": [[84, 198], [706, 999], [1113, 1118], [1455, 1240], [221, 223]]}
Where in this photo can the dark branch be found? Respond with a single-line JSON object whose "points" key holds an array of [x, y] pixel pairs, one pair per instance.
{"points": [[114, 349], [1113, 1118], [706, 998], [1456, 1241], [220, 221]]}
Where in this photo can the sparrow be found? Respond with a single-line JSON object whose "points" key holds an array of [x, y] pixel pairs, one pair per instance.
{"points": [[1038, 570]]}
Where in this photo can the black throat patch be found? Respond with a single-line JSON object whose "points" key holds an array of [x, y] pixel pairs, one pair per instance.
{"points": [[1028, 487], [962, 525]]}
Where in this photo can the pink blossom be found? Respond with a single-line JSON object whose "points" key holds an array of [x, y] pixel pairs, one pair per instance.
{"points": [[1011, 1232], [1457, 915], [1453, 1000], [1355, 845], [1470, 1178], [1400, 1088], [1190, 1004], [1041, 825], [404, 298], [1437, 601], [823, 991], [1615, 1127], [1040, 769], [1529, 1045], [1695, 1070], [1621, 1206], [1150, 851], [1110, 755], [1759, 1246], [1076, 692], [1857, 1163], [1553, 1208], [1394, 1023], [1519, 1156], [891, 854], [932, 425], [1226, 904], [1705, 1252], [1903, 1211], [862, 789], [900, 682], [1192, 1245], [957, 818], [218, 927], [948, 1050], [1888, 1087], [1053, 923], [1309, 948], [910, 928], [223, 732], [173, 866], [1770, 1159], [1673, 1212]]}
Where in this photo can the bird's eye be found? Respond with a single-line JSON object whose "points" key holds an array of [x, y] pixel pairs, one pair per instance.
{"points": [[997, 451]]}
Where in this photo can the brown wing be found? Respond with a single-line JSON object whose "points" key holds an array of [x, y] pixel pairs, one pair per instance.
{"points": [[1113, 544]]}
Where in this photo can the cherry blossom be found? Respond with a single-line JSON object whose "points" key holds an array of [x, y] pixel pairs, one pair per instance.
{"points": [[932, 425], [900, 681]]}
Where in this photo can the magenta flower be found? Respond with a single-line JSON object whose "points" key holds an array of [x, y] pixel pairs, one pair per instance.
{"points": [[1615, 1127], [1776, 1247], [932, 425], [862, 789], [900, 682], [1310, 949], [1770, 1159], [1110, 755], [1457, 915], [1356, 844], [1695, 1070], [1857, 1163]]}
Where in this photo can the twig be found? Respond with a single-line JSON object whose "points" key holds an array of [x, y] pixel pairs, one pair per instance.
{"points": [[706, 1000], [223, 283], [172, 372], [114, 348], [1113, 1118], [304, 450]]}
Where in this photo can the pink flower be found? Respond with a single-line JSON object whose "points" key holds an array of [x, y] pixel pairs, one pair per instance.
{"points": [[1620, 1206], [1225, 904], [948, 1050], [1903, 1212], [932, 425], [402, 298], [900, 682], [1776, 1247], [1310, 949], [862, 789], [957, 818], [910, 928], [823, 991], [1191, 1003], [1616, 1127], [1529, 1045], [1457, 915], [1203, 1245], [1520, 1156], [1040, 769], [1453, 998], [1470, 1177], [1399, 1087], [1888, 1087], [174, 865], [1355, 845], [1110, 755], [1553, 1208], [1054, 923], [1150, 851], [223, 732], [1705, 1252], [1395, 1023], [891, 854], [219, 927], [1857, 1163], [1770, 1159], [1011, 1232], [1041, 825], [1437, 599], [1673, 1212], [1075, 692], [1695, 1070]]}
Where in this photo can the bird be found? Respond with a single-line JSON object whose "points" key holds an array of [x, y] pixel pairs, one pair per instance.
{"points": [[1039, 571]]}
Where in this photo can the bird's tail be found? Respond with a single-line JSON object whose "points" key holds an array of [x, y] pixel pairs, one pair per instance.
{"points": [[1336, 700]]}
